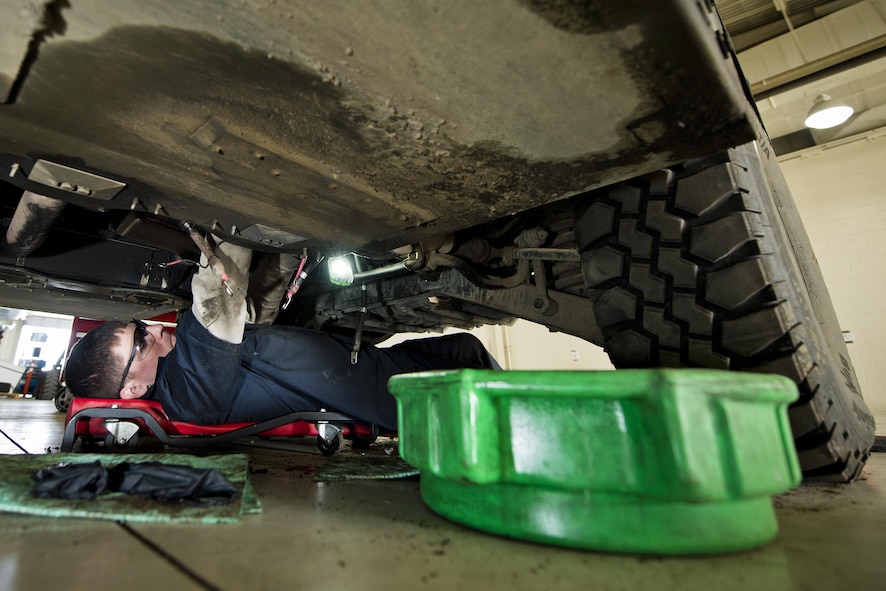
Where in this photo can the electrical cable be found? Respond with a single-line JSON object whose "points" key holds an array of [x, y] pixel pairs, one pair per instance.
{"points": [[14, 442]]}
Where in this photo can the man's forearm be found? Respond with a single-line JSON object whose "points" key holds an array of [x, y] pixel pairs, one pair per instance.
{"points": [[223, 314]]}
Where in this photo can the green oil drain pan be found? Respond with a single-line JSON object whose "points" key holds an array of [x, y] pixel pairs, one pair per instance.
{"points": [[658, 461]]}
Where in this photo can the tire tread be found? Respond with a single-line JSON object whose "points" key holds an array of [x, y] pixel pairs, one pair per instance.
{"points": [[683, 269]]}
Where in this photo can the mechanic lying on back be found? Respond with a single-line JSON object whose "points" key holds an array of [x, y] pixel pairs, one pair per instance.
{"points": [[226, 363]]}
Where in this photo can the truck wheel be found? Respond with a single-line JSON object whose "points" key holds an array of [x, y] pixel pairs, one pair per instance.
{"points": [[707, 265]]}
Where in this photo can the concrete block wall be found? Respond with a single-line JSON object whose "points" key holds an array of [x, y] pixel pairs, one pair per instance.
{"points": [[840, 191]]}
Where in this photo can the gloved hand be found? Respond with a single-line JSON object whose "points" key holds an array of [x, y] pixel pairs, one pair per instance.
{"points": [[224, 315], [267, 284]]}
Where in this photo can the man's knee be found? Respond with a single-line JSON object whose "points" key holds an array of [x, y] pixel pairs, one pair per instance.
{"points": [[473, 348]]}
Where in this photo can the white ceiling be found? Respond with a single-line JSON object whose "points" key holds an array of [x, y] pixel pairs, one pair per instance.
{"points": [[793, 50]]}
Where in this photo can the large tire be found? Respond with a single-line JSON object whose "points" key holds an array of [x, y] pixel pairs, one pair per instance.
{"points": [[694, 267], [50, 385]]}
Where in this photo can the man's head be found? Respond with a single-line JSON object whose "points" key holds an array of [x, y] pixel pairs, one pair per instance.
{"points": [[117, 360]]}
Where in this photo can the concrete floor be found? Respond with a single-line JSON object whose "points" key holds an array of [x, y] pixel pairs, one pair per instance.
{"points": [[378, 534]]}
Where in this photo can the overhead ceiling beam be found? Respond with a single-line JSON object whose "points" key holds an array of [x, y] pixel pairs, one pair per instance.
{"points": [[851, 57], [751, 22]]}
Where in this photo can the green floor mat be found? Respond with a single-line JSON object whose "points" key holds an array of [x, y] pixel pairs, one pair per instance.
{"points": [[16, 484], [363, 467]]}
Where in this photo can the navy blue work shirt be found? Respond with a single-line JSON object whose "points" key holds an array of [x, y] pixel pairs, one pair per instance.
{"points": [[278, 370]]}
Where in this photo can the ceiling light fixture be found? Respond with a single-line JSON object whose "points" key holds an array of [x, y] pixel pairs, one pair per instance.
{"points": [[826, 113]]}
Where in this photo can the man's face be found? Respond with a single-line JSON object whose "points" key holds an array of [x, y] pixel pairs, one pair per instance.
{"points": [[145, 349]]}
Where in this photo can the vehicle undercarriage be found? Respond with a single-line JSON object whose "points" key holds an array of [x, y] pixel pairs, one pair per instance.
{"points": [[597, 169]]}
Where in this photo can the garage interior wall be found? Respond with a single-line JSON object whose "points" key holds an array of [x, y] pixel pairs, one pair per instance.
{"points": [[840, 190]]}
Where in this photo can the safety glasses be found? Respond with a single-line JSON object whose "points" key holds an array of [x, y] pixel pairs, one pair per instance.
{"points": [[138, 344]]}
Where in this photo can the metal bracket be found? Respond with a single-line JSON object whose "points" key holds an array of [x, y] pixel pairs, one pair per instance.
{"points": [[541, 303], [74, 181]]}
